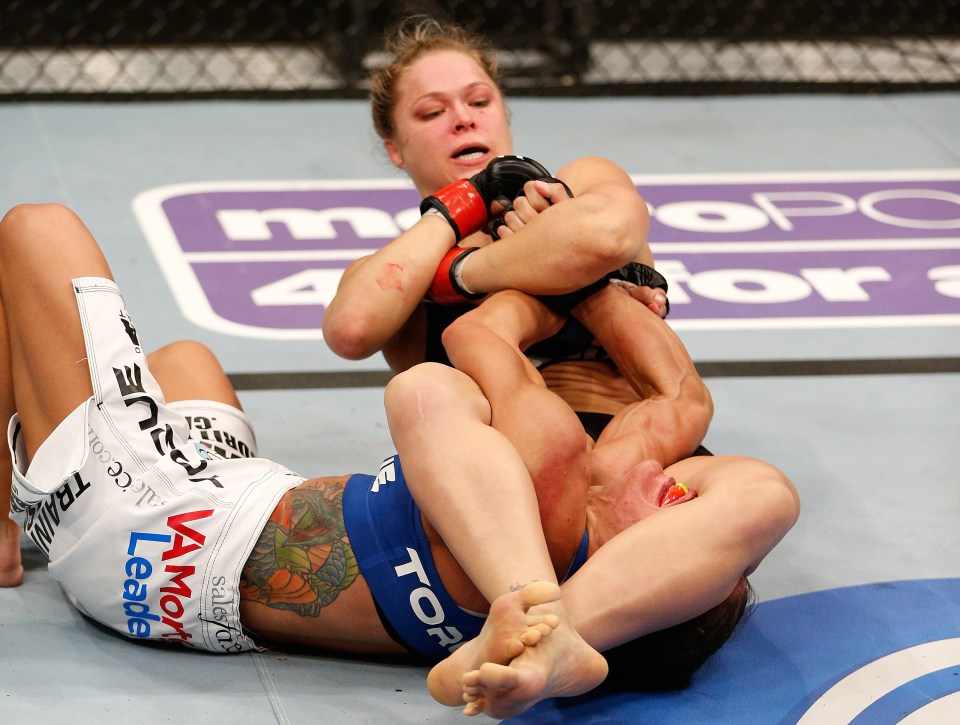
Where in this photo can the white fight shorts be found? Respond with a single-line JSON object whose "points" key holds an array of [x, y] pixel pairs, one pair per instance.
{"points": [[218, 427], [146, 530]]}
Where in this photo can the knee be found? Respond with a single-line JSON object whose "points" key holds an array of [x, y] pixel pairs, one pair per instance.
{"points": [[27, 225], [407, 390], [184, 356], [431, 394], [25, 220]]}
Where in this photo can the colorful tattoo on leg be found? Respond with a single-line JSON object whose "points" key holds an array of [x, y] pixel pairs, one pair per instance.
{"points": [[302, 560]]}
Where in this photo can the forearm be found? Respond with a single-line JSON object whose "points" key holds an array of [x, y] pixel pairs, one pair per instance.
{"points": [[645, 349], [379, 293], [486, 343], [568, 244], [675, 408]]}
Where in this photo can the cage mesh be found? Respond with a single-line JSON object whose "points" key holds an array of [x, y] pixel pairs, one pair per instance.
{"points": [[57, 49]]}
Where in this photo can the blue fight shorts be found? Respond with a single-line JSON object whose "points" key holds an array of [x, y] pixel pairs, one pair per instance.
{"points": [[393, 554]]}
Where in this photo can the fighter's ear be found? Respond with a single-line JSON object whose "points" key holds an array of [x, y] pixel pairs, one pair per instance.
{"points": [[396, 158]]}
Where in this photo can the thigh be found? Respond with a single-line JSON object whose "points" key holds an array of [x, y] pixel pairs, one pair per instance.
{"points": [[42, 247]]}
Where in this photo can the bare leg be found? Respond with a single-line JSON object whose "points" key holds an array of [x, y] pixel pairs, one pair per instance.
{"points": [[41, 248], [485, 344], [528, 453], [189, 370], [11, 565], [468, 480], [474, 488]]}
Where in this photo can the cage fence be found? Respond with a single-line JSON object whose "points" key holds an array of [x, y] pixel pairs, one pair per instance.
{"points": [[135, 49]]}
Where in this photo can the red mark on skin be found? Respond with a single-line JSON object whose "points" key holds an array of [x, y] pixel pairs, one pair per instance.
{"points": [[391, 278]]}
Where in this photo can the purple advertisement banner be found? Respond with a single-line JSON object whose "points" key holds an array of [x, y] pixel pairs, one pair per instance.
{"points": [[263, 259]]}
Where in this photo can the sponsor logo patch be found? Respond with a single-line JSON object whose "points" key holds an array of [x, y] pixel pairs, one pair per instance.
{"points": [[839, 249]]}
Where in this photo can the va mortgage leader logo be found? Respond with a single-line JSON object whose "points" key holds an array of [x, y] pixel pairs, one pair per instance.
{"points": [[263, 259]]}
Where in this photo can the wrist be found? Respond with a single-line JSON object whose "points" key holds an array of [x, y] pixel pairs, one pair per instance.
{"points": [[446, 287], [460, 283], [439, 228], [461, 204]]}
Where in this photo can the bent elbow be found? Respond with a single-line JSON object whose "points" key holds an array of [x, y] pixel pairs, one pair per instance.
{"points": [[349, 338], [777, 503], [620, 231]]}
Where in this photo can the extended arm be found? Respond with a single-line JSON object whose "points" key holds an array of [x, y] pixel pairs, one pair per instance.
{"points": [[675, 409]]}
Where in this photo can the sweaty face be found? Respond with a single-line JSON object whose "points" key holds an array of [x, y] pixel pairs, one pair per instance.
{"points": [[449, 121]]}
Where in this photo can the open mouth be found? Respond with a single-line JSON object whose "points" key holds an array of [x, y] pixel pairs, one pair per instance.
{"points": [[470, 153]]}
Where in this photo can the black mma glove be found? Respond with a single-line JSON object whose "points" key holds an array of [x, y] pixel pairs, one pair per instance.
{"points": [[642, 276], [633, 272], [465, 204], [508, 175]]}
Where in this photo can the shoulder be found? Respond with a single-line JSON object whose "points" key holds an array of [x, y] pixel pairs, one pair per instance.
{"points": [[587, 171]]}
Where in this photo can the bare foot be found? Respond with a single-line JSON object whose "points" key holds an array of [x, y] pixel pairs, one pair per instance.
{"points": [[11, 567], [510, 627], [561, 665]]}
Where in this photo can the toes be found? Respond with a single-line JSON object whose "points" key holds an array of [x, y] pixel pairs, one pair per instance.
{"points": [[474, 708], [515, 647], [532, 636], [539, 592], [470, 679], [498, 676]]}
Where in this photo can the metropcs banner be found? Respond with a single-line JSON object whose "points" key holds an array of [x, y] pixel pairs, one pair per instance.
{"points": [[811, 250]]}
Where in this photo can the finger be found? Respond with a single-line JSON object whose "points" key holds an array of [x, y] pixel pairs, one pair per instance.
{"points": [[524, 210], [646, 295], [554, 192], [653, 299], [537, 200], [500, 206]]}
